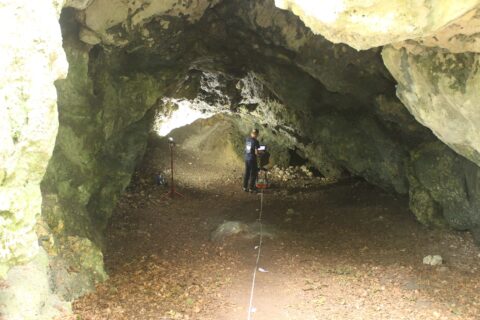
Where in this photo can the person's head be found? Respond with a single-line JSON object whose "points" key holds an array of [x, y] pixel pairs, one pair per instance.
{"points": [[254, 133]]}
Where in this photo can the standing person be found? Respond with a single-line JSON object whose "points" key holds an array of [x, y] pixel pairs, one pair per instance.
{"points": [[251, 167]]}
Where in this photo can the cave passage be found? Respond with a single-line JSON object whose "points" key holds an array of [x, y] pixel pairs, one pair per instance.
{"points": [[373, 211], [332, 249]]}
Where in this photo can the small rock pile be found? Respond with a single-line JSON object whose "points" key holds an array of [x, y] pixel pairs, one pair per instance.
{"points": [[246, 230], [433, 260], [292, 176], [290, 173]]}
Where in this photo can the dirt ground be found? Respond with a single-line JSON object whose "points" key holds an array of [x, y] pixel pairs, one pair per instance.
{"points": [[344, 250]]}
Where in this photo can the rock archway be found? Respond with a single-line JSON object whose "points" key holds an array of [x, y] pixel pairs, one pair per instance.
{"points": [[131, 60]]}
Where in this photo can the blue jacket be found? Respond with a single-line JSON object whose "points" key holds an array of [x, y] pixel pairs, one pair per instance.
{"points": [[251, 144]]}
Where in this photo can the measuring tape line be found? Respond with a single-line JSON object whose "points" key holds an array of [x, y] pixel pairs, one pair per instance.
{"points": [[250, 306]]}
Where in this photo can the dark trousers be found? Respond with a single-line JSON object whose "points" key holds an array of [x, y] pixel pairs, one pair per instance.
{"points": [[251, 173]]}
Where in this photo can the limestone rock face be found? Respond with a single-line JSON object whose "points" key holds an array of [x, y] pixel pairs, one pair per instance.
{"points": [[442, 91], [31, 282], [364, 24], [32, 59], [104, 122], [433, 56], [460, 35], [78, 4], [101, 16], [449, 183]]}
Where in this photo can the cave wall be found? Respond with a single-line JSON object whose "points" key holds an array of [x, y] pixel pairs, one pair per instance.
{"points": [[444, 188], [430, 49], [441, 89], [339, 106], [32, 59], [364, 24], [432, 52], [105, 118]]}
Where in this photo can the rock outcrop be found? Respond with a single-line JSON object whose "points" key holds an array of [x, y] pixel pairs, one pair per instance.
{"points": [[367, 24], [441, 89], [433, 56], [444, 187], [432, 52], [104, 123], [32, 59]]}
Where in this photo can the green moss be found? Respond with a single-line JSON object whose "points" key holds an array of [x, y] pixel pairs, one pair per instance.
{"points": [[105, 117], [6, 214], [452, 183], [426, 209]]}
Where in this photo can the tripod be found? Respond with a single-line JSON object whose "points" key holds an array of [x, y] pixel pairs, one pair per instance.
{"points": [[172, 193]]}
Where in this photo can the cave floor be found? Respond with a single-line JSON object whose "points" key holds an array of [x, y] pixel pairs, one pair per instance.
{"points": [[349, 251], [344, 250]]}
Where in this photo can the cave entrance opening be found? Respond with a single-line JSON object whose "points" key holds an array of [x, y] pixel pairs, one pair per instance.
{"points": [[177, 113]]}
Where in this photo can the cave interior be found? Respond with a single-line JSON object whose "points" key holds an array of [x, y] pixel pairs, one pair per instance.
{"points": [[361, 191]]}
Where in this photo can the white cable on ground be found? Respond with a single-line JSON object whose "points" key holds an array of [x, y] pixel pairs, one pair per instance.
{"points": [[250, 306]]}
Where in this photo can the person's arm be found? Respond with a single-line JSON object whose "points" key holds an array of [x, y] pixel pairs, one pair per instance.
{"points": [[257, 146]]}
